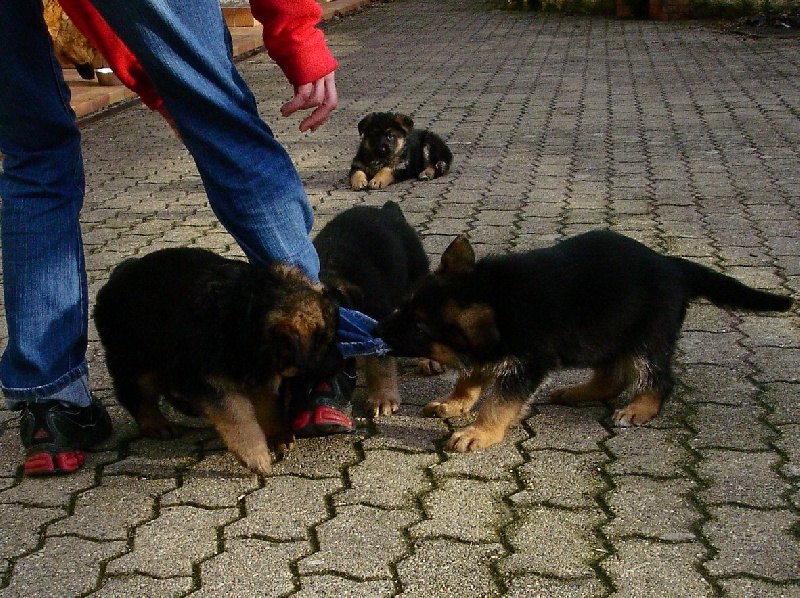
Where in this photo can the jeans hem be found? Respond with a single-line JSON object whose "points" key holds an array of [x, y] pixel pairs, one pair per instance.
{"points": [[72, 387]]}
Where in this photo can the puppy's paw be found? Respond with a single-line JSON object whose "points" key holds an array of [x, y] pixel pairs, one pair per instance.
{"points": [[382, 404], [377, 183], [358, 180], [259, 462], [641, 410], [429, 367], [474, 438], [444, 409], [427, 174], [629, 416], [383, 178]]}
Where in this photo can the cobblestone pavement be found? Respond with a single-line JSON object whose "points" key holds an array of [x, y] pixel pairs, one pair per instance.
{"points": [[681, 136]]}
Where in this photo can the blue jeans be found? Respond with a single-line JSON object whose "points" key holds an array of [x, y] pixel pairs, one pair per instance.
{"points": [[251, 183]]}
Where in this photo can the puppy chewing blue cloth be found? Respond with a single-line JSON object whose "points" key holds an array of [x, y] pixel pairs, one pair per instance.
{"points": [[355, 335]]}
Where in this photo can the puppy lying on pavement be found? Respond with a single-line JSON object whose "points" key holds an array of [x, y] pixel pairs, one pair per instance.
{"points": [[392, 150]]}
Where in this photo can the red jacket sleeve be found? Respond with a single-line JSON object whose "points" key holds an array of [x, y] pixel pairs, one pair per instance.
{"points": [[124, 64], [293, 40]]}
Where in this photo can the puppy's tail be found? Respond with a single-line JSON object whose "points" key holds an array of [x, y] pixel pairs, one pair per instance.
{"points": [[725, 291]]}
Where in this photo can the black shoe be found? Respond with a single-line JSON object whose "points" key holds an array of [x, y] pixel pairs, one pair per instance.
{"points": [[323, 408], [54, 435]]}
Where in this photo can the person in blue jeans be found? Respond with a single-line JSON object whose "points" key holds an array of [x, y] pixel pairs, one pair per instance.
{"points": [[184, 49]]}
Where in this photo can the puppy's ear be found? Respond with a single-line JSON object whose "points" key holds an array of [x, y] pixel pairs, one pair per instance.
{"points": [[405, 121], [458, 258], [478, 325], [364, 123]]}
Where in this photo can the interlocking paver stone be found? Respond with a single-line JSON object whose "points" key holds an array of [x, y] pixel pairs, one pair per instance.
{"points": [[553, 542], [465, 509], [73, 567], [91, 517], [679, 134], [285, 508], [432, 569], [172, 543], [330, 586], [262, 569], [670, 568], [632, 503], [371, 485], [361, 542], [740, 535]]}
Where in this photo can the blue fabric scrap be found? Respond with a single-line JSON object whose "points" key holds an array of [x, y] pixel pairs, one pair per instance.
{"points": [[355, 335]]}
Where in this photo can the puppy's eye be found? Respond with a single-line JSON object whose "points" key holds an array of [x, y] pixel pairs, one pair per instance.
{"points": [[390, 136]]}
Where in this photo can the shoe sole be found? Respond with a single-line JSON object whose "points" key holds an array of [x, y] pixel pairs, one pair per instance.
{"points": [[324, 421], [49, 464]]}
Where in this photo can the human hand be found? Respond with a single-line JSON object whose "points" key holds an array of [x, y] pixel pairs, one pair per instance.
{"points": [[321, 95]]}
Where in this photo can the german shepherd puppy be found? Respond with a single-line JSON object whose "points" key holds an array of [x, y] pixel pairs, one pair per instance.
{"points": [[370, 257], [597, 300], [215, 337], [392, 150]]}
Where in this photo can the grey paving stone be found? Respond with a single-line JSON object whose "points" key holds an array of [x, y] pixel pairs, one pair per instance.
{"points": [[142, 585], [361, 542], [753, 542], [250, 568], [318, 457], [730, 427], [783, 399], [66, 566], [752, 588], [497, 462], [645, 568], [560, 124], [21, 527], [48, 491], [464, 509], [91, 517], [407, 432], [553, 543], [565, 428], [216, 481], [534, 585], [432, 571], [644, 450], [633, 503], [285, 508], [169, 545], [777, 364], [789, 444], [330, 586], [388, 479], [742, 478], [561, 479]]}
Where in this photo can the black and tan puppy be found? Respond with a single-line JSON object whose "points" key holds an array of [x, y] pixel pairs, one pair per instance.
{"points": [[597, 300], [392, 150], [371, 257], [215, 337]]}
